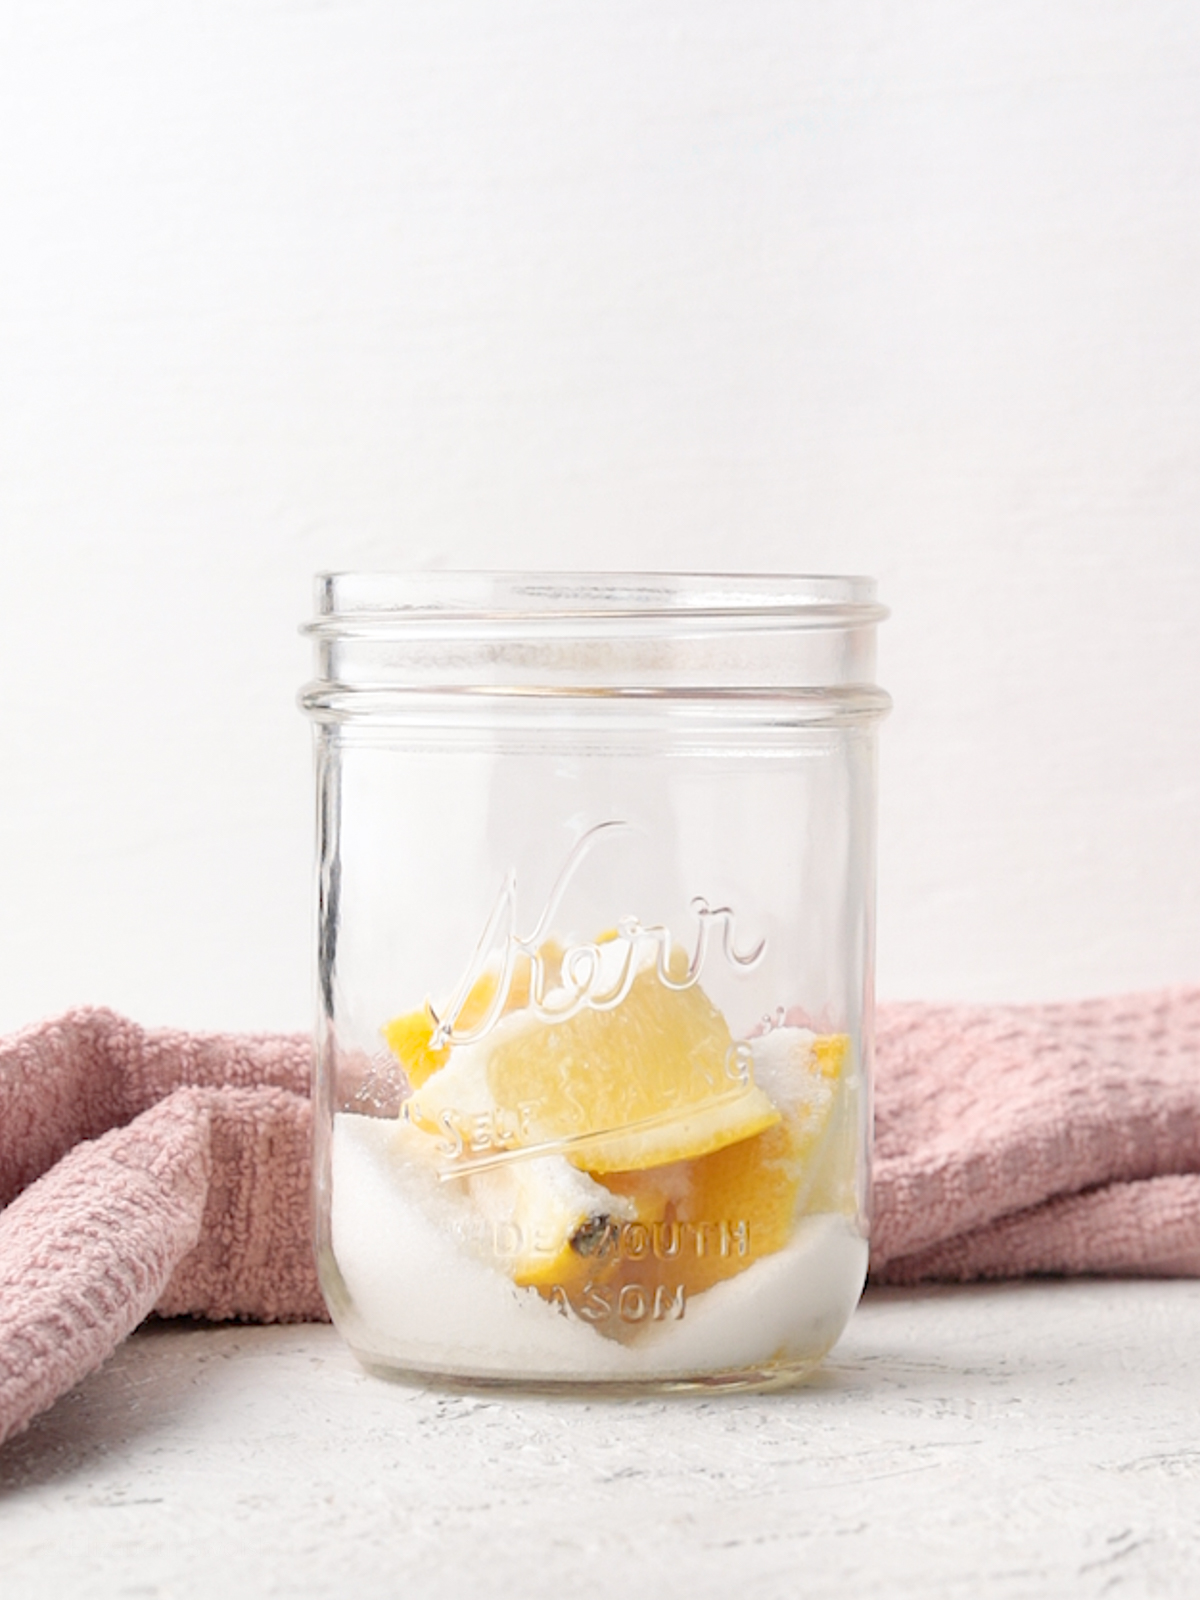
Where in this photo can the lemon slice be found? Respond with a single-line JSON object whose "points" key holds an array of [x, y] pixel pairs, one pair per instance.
{"points": [[549, 1222], [655, 1079], [542, 1221], [733, 1206], [410, 1037], [768, 1180]]}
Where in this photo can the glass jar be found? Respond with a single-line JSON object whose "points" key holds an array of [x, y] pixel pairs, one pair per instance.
{"points": [[595, 946]]}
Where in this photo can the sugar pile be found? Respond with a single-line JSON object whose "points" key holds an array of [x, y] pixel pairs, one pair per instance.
{"points": [[423, 1300]]}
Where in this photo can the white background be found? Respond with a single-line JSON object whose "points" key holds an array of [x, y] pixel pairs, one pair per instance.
{"points": [[905, 289]]}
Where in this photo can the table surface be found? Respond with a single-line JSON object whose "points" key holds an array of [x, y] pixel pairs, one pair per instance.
{"points": [[1020, 1440]]}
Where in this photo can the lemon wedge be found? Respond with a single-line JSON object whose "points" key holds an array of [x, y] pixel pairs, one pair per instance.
{"points": [[737, 1204], [655, 1079], [627, 1141], [410, 1037], [549, 1221]]}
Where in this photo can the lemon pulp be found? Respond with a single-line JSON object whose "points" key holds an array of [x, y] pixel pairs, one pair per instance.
{"points": [[654, 1080]]}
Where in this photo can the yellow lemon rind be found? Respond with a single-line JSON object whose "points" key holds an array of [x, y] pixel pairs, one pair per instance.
{"points": [[684, 1136]]}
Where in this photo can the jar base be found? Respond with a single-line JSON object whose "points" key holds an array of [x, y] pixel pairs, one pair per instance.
{"points": [[782, 1375]]}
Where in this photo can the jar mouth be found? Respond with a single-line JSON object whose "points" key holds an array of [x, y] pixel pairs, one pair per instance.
{"points": [[376, 604], [394, 645]]}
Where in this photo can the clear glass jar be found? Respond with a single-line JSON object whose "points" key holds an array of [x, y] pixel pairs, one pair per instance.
{"points": [[596, 888]]}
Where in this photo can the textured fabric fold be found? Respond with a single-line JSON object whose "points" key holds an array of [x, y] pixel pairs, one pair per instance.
{"points": [[253, 1257], [1019, 1139], [87, 1250], [1150, 1228], [90, 1070]]}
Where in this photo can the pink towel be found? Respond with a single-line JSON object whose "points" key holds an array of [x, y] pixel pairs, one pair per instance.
{"points": [[1012, 1140], [158, 1171]]}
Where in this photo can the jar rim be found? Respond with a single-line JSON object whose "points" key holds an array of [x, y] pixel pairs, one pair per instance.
{"points": [[366, 601]]}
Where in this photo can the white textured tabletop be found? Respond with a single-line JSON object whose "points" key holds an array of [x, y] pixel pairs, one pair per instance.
{"points": [[1030, 1440]]}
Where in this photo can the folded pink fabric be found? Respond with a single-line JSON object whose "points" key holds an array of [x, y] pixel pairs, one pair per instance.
{"points": [[160, 1171], [144, 1171], [1012, 1140]]}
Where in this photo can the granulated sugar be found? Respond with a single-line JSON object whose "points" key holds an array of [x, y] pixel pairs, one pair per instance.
{"points": [[433, 1305]]}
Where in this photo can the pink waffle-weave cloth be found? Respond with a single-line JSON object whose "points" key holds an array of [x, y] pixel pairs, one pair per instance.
{"points": [[148, 1171]]}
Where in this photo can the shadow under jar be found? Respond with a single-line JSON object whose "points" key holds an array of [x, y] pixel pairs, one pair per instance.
{"points": [[595, 972]]}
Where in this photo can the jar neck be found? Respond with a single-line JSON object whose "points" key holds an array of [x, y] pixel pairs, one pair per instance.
{"points": [[807, 642]]}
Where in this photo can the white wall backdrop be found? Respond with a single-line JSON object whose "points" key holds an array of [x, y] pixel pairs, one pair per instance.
{"points": [[755, 284]]}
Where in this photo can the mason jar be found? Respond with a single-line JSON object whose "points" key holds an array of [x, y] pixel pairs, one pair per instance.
{"points": [[596, 864]]}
